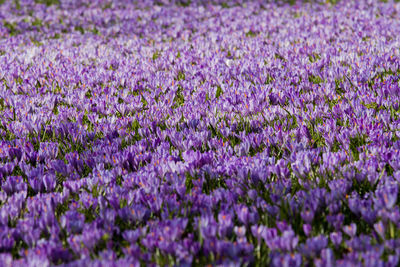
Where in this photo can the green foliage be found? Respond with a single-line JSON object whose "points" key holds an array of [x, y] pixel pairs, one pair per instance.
{"points": [[80, 29], [156, 55], [219, 92], [251, 33], [212, 182], [356, 142], [179, 98], [181, 76], [48, 2], [184, 3], [37, 22], [317, 139], [88, 94], [315, 79], [314, 57], [12, 28]]}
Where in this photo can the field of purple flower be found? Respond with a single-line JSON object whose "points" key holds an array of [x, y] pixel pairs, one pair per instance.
{"points": [[199, 133]]}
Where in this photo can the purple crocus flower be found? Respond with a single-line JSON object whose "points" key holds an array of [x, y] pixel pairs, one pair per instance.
{"points": [[380, 229], [350, 230], [208, 226], [307, 214], [289, 259], [386, 196], [336, 238], [73, 222], [289, 240], [314, 246], [327, 258], [225, 224], [6, 259], [243, 214], [273, 98], [258, 232], [307, 228], [240, 233]]}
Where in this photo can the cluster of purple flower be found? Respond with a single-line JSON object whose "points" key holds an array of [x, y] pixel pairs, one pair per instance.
{"points": [[159, 133]]}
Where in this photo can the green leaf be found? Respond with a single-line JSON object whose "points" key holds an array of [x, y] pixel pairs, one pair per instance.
{"points": [[219, 92]]}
